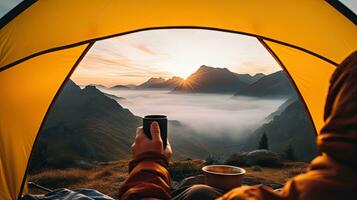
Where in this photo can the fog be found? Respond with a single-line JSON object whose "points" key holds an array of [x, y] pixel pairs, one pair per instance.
{"points": [[205, 113]]}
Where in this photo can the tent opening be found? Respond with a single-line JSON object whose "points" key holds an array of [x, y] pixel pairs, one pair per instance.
{"points": [[227, 99]]}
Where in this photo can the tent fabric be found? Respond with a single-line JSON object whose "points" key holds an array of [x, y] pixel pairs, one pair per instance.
{"points": [[307, 24], [310, 75], [42, 44], [27, 90]]}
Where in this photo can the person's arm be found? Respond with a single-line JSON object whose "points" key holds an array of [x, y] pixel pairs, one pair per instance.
{"points": [[149, 177]]}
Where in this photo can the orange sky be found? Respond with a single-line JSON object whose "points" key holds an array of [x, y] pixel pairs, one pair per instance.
{"points": [[134, 58]]}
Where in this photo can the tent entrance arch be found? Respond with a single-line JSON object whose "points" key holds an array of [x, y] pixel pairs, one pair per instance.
{"points": [[260, 39], [39, 48]]}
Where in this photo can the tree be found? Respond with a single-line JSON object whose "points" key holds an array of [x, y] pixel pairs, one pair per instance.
{"points": [[212, 160], [289, 153], [263, 143]]}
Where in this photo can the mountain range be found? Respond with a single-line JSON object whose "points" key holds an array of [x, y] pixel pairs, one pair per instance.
{"points": [[119, 87], [152, 83], [247, 78], [160, 83], [208, 79], [221, 80], [289, 125], [205, 80], [273, 85], [211, 80]]}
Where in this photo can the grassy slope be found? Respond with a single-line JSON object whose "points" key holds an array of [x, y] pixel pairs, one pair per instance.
{"points": [[108, 177]]}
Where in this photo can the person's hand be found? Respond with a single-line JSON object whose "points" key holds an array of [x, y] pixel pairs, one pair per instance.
{"points": [[143, 144]]}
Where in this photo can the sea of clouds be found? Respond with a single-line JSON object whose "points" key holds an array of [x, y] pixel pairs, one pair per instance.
{"points": [[211, 114]]}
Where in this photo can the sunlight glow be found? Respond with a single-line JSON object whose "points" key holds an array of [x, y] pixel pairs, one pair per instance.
{"points": [[134, 58]]}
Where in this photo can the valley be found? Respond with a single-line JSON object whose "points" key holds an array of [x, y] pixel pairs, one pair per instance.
{"points": [[97, 124]]}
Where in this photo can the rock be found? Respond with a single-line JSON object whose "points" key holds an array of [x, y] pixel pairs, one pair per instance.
{"points": [[264, 158], [251, 180], [237, 159], [257, 159], [256, 168]]}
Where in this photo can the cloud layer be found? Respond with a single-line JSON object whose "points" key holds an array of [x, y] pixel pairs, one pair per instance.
{"points": [[206, 113]]}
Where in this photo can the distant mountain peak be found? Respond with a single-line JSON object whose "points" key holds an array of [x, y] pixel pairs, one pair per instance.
{"points": [[204, 67], [156, 80], [92, 89], [161, 83], [209, 68], [176, 78], [270, 86], [120, 87], [211, 80], [98, 85]]}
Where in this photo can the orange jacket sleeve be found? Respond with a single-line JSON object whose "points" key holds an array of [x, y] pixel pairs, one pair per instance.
{"points": [[148, 178]]}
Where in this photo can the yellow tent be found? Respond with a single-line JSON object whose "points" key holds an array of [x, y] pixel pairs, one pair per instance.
{"points": [[41, 42]]}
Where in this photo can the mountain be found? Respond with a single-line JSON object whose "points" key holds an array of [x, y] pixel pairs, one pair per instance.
{"points": [[99, 86], [131, 86], [115, 97], [170, 83], [150, 82], [160, 83], [211, 80], [281, 108], [247, 78], [119, 87], [272, 85], [291, 126], [84, 125]]}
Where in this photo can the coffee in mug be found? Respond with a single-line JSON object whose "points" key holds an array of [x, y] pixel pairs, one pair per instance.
{"points": [[161, 120], [224, 177]]}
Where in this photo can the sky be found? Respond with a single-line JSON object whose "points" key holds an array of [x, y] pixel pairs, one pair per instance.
{"points": [[136, 57], [351, 4], [7, 5]]}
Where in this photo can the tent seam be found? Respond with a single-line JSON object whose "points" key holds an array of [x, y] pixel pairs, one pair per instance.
{"points": [[277, 59], [5, 67], [344, 10], [83, 54], [17, 10]]}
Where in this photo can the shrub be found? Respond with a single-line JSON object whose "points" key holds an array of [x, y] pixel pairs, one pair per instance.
{"points": [[182, 169], [264, 158], [212, 160]]}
